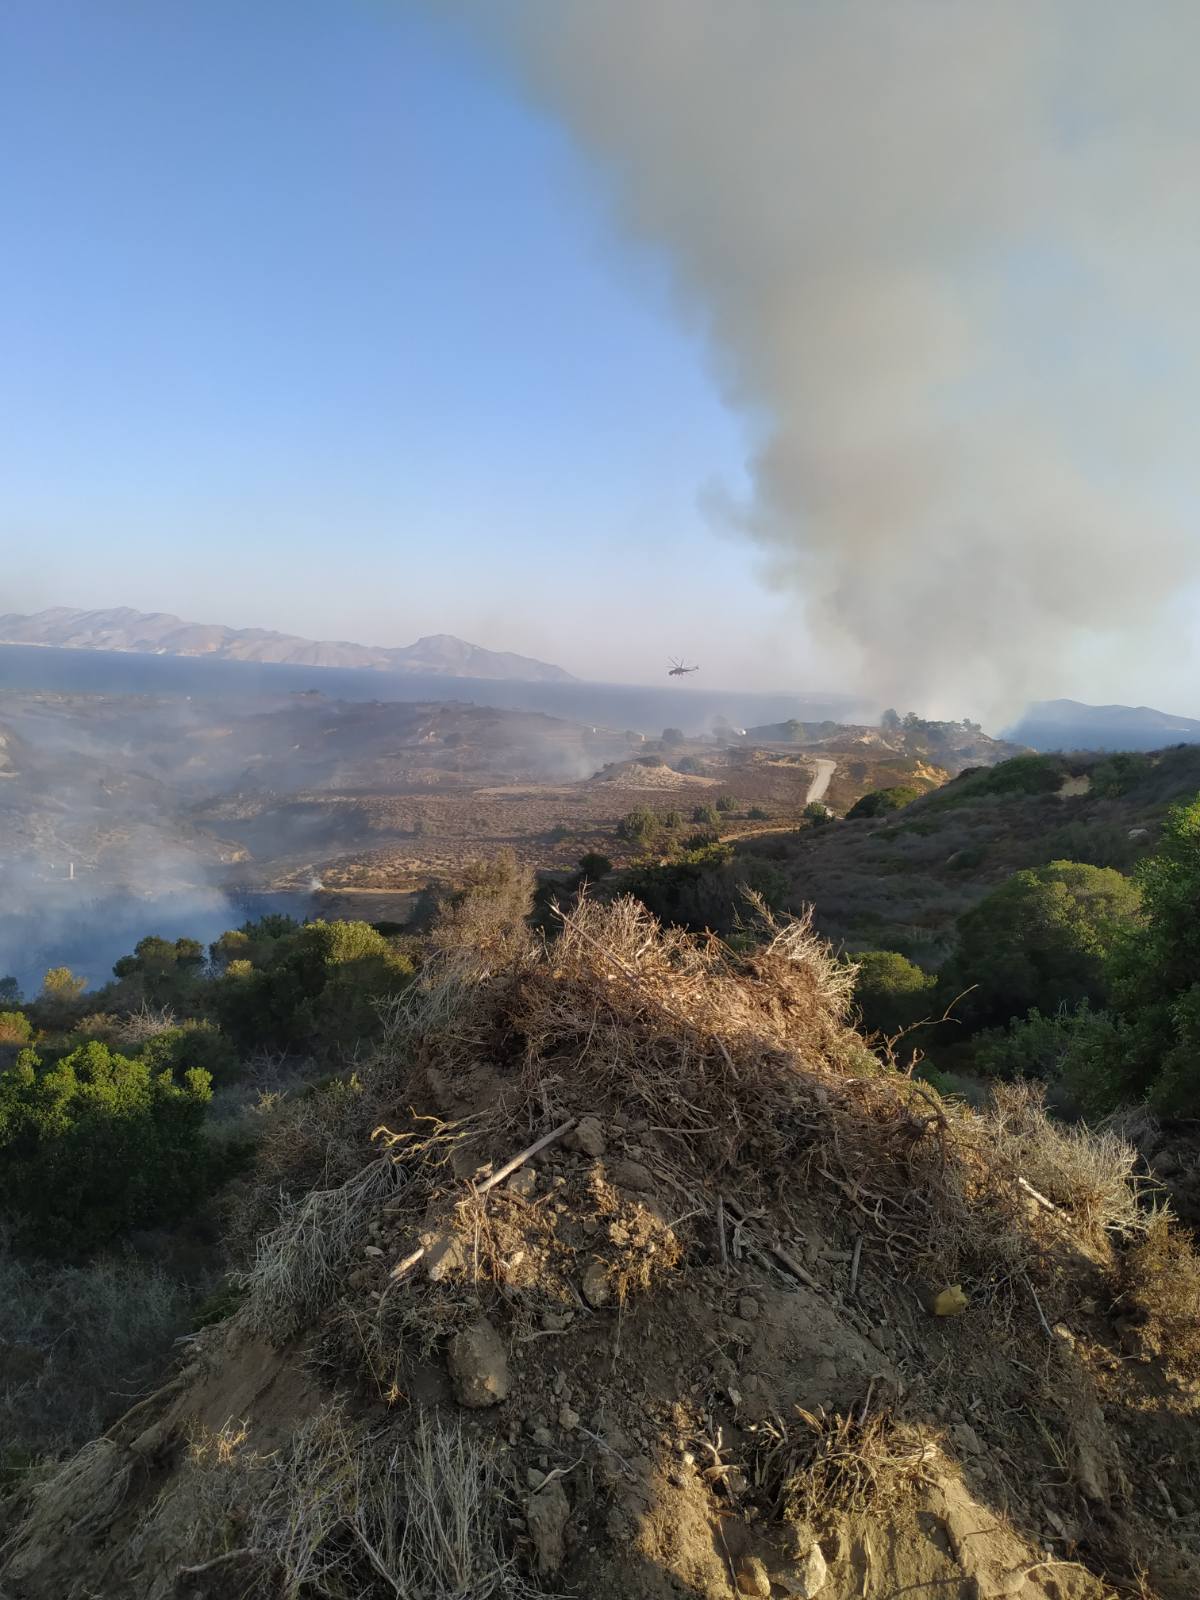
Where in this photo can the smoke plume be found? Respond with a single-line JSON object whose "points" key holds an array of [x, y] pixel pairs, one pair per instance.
{"points": [[945, 256]]}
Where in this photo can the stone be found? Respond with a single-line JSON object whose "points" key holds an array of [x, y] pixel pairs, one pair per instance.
{"points": [[595, 1284], [445, 1253], [522, 1182], [632, 1175], [966, 1438], [587, 1137], [753, 1577], [546, 1517], [478, 1366], [748, 1307], [568, 1419], [806, 1577]]}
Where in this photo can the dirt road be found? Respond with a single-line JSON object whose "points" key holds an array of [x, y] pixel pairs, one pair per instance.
{"points": [[825, 771]]}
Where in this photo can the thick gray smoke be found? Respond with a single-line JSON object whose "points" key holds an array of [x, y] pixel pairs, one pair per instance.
{"points": [[946, 257]]}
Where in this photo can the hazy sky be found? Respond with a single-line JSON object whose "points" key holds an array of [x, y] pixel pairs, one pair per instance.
{"points": [[337, 317]]}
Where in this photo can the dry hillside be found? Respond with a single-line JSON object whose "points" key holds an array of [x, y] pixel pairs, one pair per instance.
{"points": [[627, 1271]]}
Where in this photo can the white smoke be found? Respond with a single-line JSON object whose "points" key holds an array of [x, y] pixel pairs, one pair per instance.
{"points": [[946, 258]]}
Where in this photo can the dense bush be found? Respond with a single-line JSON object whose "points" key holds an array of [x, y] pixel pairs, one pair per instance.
{"points": [[1117, 774], [1040, 940], [15, 1028], [706, 888], [96, 1144], [193, 1044], [892, 992], [725, 802], [880, 801], [638, 826], [708, 815], [816, 813], [1023, 775], [758, 814], [324, 984], [595, 865]]}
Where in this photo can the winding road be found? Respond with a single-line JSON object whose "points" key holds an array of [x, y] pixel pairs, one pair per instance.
{"points": [[825, 770]]}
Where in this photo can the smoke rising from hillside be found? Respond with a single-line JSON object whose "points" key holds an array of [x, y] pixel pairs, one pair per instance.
{"points": [[945, 258]]}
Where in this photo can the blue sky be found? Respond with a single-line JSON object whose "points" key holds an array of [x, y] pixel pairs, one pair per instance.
{"points": [[308, 321], [372, 318]]}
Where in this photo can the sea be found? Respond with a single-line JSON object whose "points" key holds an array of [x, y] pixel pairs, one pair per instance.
{"points": [[641, 708]]}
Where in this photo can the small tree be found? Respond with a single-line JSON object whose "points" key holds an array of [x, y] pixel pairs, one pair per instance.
{"points": [[818, 814], [62, 986], [10, 992], [97, 1144], [594, 865], [673, 737], [892, 991], [708, 815], [879, 801], [638, 826], [725, 802], [1041, 940]]}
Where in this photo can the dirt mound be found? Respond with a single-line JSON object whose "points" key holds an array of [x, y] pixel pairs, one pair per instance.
{"points": [[646, 1278], [637, 775]]}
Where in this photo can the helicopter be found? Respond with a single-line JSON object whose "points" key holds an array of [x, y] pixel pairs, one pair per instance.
{"points": [[678, 670]]}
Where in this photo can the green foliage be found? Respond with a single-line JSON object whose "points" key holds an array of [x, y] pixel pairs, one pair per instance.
{"points": [[725, 802], [673, 737], [1117, 774], [690, 764], [1023, 775], [195, 1043], [706, 887], [96, 1144], [672, 820], [260, 942], [322, 986], [892, 992], [639, 826], [1083, 1052], [595, 865], [10, 992], [15, 1028], [1040, 940], [708, 815], [817, 813], [61, 985], [880, 801], [758, 814]]}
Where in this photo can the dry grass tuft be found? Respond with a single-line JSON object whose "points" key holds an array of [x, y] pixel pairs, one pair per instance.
{"points": [[1160, 1284], [345, 1512], [830, 1466], [301, 1263]]}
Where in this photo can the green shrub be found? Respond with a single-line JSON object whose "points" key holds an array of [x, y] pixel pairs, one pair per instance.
{"points": [[758, 814], [193, 1044], [595, 865], [1023, 775], [880, 801], [96, 1144], [1040, 940], [892, 992], [706, 887], [1117, 774], [817, 813], [672, 820], [638, 826], [725, 802], [708, 815], [15, 1028]]}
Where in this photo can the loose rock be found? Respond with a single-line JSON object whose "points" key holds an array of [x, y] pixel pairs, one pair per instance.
{"points": [[632, 1175], [478, 1366], [807, 1577], [522, 1182], [753, 1577], [748, 1307], [595, 1284], [587, 1137], [546, 1517]]}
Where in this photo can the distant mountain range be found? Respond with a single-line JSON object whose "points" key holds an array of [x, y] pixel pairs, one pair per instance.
{"points": [[1071, 725], [161, 634]]}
